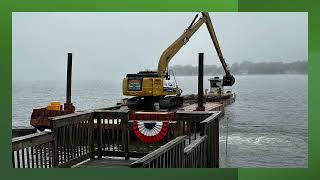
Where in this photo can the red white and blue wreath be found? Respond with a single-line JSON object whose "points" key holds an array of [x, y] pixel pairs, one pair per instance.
{"points": [[150, 131]]}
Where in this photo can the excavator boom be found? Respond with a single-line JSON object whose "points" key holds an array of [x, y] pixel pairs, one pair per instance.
{"points": [[215, 41], [228, 79], [177, 45], [168, 54]]}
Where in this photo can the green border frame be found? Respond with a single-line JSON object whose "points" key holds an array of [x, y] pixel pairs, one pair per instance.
{"points": [[313, 9], [9, 6]]}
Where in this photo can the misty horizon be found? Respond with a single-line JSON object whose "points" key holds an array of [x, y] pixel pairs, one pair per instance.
{"points": [[111, 45]]}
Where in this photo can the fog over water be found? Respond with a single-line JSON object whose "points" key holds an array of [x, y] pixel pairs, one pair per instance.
{"points": [[110, 45]]}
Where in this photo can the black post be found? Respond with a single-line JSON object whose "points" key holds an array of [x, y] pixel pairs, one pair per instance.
{"points": [[200, 84], [68, 106], [69, 73]]}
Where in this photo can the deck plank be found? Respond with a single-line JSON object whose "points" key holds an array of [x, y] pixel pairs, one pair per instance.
{"points": [[209, 106], [106, 162]]}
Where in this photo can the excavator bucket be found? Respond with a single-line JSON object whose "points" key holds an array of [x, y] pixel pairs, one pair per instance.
{"points": [[228, 80]]}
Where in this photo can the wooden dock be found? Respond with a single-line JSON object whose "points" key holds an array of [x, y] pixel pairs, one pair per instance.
{"points": [[80, 140]]}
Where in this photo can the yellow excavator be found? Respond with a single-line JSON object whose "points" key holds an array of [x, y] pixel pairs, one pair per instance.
{"points": [[149, 87]]}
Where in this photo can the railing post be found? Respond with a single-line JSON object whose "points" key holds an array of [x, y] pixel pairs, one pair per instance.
{"points": [[180, 127], [209, 148], [91, 137], [182, 156], [216, 144], [202, 129], [54, 144], [211, 129], [99, 137], [125, 135]]}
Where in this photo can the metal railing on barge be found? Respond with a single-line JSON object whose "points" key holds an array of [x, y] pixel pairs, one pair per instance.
{"points": [[74, 138]]}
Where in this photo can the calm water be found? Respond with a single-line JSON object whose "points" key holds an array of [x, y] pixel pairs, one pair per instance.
{"points": [[266, 126]]}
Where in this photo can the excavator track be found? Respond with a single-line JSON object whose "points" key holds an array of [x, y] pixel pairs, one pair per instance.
{"points": [[148, 103], [170, 102], [140, 103]]}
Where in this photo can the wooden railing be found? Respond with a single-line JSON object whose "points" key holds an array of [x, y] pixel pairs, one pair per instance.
{"points": [[170, 155], [73, 138], [195, 154], [112, 133], [210, 127], [189, 123], [200, 132], [33, 151], [86, 135]]}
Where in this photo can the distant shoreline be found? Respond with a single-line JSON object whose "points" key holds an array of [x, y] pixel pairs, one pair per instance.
{"points": [[102, 80], [244, 74], [245, 68]]}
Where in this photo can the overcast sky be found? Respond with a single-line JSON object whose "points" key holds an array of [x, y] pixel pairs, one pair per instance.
{"points": [[110, 45]]}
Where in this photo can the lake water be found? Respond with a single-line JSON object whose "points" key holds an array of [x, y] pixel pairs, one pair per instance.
{"points": [[267, 126]]}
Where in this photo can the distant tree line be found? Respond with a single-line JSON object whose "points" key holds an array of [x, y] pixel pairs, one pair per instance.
{"points": [[246, 67]]}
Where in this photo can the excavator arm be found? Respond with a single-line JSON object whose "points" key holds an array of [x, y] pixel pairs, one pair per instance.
{"points": [[177, 45], [228, 79]]}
